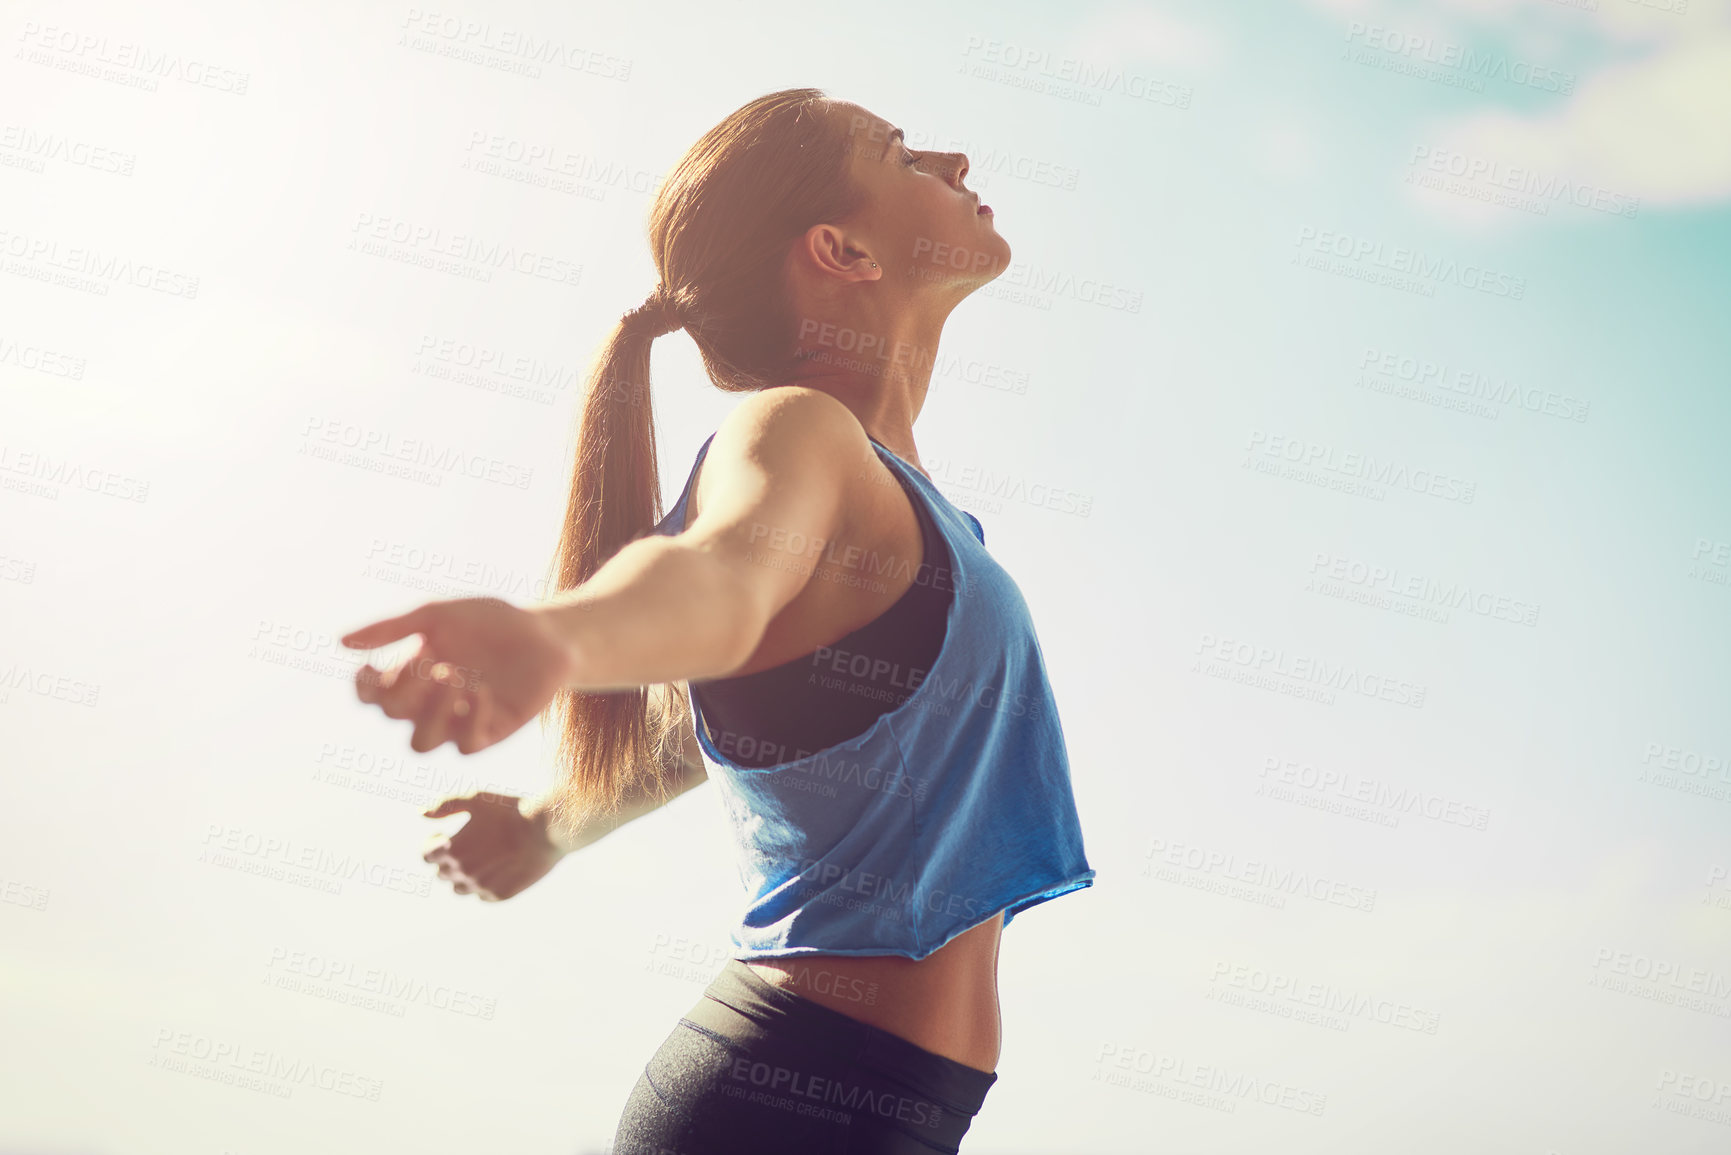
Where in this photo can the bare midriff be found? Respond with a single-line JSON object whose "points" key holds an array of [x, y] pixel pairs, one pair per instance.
{"points": [[947, 1002]]}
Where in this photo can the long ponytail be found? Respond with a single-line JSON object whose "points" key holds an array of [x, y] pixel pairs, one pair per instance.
{"points": [[615, 493]]}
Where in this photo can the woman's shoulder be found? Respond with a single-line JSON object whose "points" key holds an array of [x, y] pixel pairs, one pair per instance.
{"points": [[785, 452], [792, 413], [788, 432]]}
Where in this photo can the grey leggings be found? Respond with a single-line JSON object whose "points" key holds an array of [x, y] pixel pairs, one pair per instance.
{"points": [[759, 1070]]}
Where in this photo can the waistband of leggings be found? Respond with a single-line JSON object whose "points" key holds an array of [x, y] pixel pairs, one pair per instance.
{"points": [[740, 993]]}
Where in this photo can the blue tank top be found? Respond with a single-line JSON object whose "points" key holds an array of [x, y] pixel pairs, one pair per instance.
{"points": [[950, 807]]}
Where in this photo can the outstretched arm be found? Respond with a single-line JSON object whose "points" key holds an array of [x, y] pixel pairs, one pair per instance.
{"points": [[662, 609]]}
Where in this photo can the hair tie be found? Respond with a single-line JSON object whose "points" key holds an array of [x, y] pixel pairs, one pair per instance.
{"points": [[658, 314]]}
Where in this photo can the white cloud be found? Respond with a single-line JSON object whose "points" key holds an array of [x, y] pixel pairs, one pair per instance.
{"points": [[1650, 116], [1658, 128]]}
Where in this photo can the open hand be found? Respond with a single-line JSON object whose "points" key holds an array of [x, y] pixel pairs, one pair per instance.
{"points": [[499, 852], [484, 668]]}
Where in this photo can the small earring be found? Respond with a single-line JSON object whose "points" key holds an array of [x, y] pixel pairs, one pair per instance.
{"points": [[874, 264]]}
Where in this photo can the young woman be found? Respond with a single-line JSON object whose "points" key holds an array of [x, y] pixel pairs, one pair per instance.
{"points": [[814, 624]]}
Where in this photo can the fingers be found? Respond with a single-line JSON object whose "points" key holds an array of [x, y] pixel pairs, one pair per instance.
{"points": [[475, 731], [469, 853], [456, 804], [460, 725], [451, 871], [495, 886], [389, 630], [426, 692], [465, 845], [384, 688], [368, 682], [446, 701], [470, 804], [474, 871], [433, 716], [398, 691]]}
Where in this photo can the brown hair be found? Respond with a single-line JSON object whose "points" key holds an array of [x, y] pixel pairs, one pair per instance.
{"points": [[719, 232]]}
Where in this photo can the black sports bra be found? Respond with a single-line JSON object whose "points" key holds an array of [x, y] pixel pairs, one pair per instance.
{"points": [[837, 691]]}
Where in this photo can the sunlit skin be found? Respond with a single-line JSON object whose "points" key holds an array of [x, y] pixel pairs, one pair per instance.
{"points": [[931, 246], [919, 224]]}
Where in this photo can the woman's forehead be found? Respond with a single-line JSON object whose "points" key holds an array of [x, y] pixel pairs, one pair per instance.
{"points": [[864, 123]]}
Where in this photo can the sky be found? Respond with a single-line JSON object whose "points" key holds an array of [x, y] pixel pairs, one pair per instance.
{"points": [[1353, 417]]}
